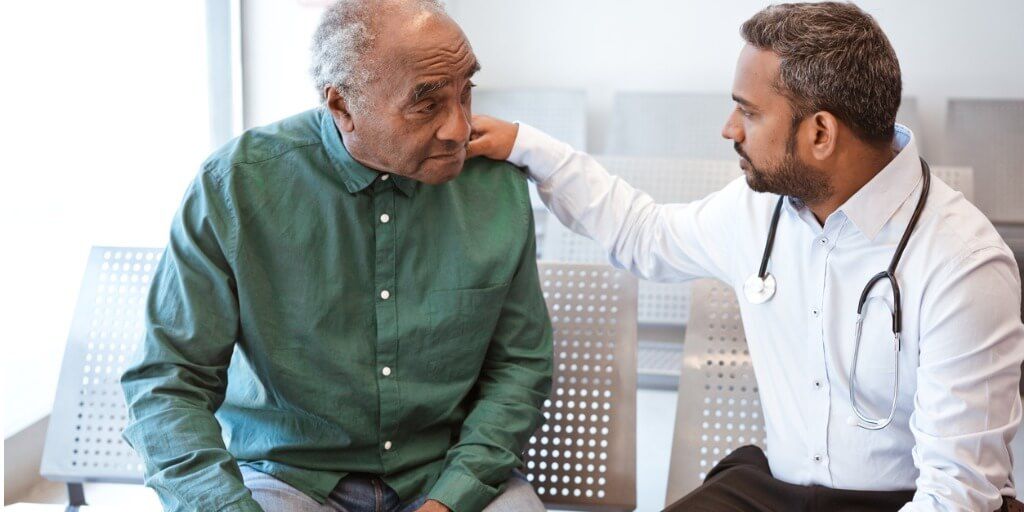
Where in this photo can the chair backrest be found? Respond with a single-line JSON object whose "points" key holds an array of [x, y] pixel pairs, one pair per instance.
{"points": [[958, 178], [718, 409], [668, 180], [83, 442], [688, 125], [561, 113], [669, 124], [988, 135], [584, 456]]}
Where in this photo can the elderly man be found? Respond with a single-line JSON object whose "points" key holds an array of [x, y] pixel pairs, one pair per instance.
{"points": [[827, 169], [352, 301]]}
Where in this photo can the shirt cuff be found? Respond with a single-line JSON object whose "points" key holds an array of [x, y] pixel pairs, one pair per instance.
{"points": [[461, 492], [243, 505], [539, 153]]}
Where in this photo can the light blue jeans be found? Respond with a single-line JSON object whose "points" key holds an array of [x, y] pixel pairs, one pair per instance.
{"points": [[357, 493]]}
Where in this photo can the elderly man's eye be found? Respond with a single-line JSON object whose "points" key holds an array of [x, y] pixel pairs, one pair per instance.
{"points": [[428, 107]]}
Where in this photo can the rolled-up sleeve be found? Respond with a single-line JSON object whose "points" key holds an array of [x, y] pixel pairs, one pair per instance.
{"points": [[967, 407]]}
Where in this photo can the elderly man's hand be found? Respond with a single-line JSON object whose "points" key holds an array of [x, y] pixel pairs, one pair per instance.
{"points": [[492, 138], [433, 506]]}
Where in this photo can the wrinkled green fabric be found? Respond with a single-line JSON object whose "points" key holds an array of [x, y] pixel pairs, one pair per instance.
{"points": [[268, 309]]}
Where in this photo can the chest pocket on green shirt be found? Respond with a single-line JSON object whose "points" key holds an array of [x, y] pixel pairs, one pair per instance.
{"points": [[462, 323]]}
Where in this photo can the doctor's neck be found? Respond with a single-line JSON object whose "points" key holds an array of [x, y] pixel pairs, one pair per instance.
{"points": [[851, 166]]}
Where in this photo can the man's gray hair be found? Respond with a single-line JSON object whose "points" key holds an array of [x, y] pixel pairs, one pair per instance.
{"points": [[343, 38], [833, 57]]}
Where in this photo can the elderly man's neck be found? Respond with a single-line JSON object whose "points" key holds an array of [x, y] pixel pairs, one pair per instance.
{"points": [[355, 150]]}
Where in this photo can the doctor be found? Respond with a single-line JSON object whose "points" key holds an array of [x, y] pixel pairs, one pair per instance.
{"points": [[925, 420]]}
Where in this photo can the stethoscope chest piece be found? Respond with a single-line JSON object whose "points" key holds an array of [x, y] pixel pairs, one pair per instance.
{"points": [[759, 290]]}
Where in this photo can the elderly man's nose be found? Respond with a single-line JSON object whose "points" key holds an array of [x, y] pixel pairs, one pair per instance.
{"points": [[456, 126]]}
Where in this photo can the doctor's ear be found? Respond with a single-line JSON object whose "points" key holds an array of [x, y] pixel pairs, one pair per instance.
{"points": [[339, 109], [824, 132]]}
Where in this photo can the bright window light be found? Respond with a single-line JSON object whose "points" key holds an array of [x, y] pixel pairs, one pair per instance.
{"points": [[105, 121]]}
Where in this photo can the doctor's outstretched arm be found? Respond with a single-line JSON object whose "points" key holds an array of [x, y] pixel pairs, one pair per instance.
{"points": [[659, 242]]}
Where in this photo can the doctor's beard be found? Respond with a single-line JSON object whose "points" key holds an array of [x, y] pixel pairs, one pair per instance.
{"points": [[787, 177]]}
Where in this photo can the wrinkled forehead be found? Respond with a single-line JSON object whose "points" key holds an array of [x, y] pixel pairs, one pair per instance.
{"points": [[425, 44]]}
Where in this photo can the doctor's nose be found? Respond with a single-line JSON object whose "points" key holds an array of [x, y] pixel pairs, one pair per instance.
{"points": [[733, 129]]}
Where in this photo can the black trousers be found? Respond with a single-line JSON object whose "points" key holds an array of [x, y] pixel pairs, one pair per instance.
{"points": [[743, 482]]}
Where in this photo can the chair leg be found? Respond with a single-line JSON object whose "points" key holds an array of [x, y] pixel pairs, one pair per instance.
{"points": [[76, 496]]}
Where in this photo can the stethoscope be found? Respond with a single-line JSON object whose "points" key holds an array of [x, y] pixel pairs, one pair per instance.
{"points": [[760, 288]]}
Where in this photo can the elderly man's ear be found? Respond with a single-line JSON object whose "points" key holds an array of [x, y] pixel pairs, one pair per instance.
{"points": [[339, 109]]}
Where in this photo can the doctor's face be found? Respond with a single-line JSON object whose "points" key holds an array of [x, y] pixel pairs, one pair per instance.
{"points": [[763, 130]]}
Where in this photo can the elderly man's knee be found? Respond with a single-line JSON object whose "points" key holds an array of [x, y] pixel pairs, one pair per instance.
{"points": [[518, 496]]}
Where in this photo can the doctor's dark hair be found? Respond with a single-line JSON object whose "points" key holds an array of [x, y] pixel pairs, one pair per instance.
{"points": [[833, 57]]}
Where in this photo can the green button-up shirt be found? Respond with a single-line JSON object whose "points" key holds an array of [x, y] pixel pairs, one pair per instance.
{"points": [[338, 320]]}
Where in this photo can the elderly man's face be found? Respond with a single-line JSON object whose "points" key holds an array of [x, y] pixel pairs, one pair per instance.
{"points": [[417, 122]]}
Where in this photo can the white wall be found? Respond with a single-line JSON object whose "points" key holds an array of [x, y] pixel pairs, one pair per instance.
{"points": [[946, 48], [276, 36]]}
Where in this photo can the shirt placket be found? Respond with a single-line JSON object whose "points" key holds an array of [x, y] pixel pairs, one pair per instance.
{"points": [[818, 446], [387, 298]]}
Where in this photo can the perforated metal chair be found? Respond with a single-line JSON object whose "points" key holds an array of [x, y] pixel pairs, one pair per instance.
{"points": [[561, 113], [584, 457], [718, 409], [83, 442], [668, 180], [988, 135]]}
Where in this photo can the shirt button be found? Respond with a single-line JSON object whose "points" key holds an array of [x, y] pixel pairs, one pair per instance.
{"points": [[384, 177], [384, 294], [817, 458], [815, 312], [817, 384], [386, 371], [823, 240], [385, 218], [387, 445]]}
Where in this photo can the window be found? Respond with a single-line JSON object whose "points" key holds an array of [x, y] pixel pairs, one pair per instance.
{"points": [[107, 117]]}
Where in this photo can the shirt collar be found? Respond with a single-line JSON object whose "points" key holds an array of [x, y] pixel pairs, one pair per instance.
{"points": [[871, 207], [356, 176]]}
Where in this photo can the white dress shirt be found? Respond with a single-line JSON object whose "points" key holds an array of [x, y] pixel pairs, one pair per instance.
{"points": [[963, 341]]}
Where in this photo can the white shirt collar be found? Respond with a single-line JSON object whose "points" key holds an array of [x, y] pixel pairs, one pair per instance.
{"points": [[879, 199]]}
